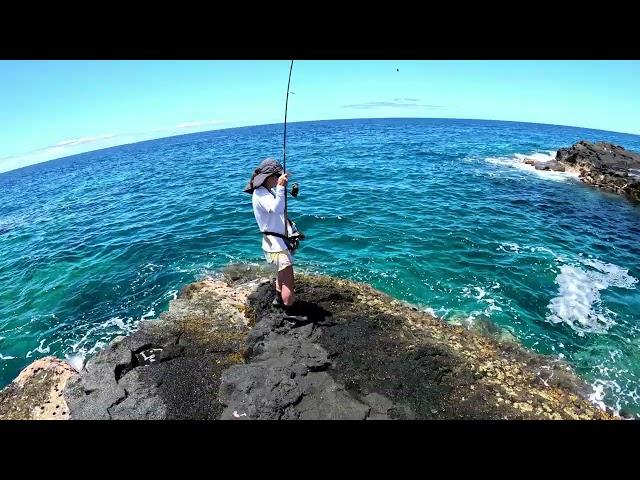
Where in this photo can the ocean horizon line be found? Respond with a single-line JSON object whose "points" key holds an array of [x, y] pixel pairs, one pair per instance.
{"points": [[307, 121]]}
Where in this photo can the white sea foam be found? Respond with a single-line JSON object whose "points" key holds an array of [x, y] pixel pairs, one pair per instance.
{"points": [[611, 274], [6, 357], [174, 293], [508, 247], [492, 307], [76, 345], [428, 310], [600, 390], [99, 345], [514, 247], [466, 321], [481, 293], [481, 296], [39, 349], [578, 302], [76, 361], [614, 385], [597, 396], [106, 332], [151, 313], [119, 322], [517, 162], [541, 249]]}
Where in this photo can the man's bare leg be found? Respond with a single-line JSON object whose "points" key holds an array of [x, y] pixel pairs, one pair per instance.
{"points": [[284, 284]]}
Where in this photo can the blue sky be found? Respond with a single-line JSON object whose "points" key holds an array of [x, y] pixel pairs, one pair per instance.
{"points": [[50, 109]]}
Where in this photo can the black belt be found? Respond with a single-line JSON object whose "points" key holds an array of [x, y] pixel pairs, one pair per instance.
{"points": [[287, 240]]}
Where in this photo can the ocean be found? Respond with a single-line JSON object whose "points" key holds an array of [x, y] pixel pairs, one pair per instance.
{"points": [[438, 212]]}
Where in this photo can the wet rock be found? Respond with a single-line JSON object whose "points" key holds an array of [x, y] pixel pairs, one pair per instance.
{"points": [[604, 165], [624, 413], [549, 165]]}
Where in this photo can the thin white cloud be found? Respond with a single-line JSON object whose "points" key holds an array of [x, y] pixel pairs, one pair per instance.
{"points": [[60, 149], [75, 146], [54, 150], [198, 123], [193, 124], [393, 104], [78, 141], [189, 124]]}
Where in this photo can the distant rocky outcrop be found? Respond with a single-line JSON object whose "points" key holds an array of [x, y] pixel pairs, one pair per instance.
{"points": [[601, 164], [604, 165], [223, 352]]}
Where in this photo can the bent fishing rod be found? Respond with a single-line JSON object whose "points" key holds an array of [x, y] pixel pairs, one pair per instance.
{"points": [[284, 151]]}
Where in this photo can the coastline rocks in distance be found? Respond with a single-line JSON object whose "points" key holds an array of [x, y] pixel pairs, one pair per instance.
{"points": [[604, 165], [223, 352]]}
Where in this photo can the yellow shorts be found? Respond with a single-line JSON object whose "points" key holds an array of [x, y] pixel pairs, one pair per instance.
{"points": [[281, 259]]}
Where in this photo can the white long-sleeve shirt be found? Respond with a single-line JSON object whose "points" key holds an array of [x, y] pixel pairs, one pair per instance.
{"points": [[269, 212]]}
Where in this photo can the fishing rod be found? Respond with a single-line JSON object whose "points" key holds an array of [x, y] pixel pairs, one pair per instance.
{"points": [[284, 150]]}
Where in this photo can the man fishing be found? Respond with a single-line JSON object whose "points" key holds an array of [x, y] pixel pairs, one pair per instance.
{"points": [[280, 237], [268, 189]]}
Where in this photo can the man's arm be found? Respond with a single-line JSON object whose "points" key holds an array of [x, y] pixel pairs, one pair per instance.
{"points": [[273, 204]]}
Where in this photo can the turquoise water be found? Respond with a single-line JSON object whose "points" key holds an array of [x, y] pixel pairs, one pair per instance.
{"points": [[436, 212]]}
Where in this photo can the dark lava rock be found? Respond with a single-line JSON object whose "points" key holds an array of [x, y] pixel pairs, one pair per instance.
{"points": [[550, 165], [169, 368], [604, 165]]}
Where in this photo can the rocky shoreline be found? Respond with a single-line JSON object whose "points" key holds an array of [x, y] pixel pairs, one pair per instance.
{"points": [[222, 352], [603, 165]]}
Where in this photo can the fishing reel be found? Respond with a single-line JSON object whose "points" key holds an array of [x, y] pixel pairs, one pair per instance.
{"points": [[295, 190]]}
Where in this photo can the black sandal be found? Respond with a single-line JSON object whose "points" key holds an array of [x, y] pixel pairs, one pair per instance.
{"points": [[277, 301]]}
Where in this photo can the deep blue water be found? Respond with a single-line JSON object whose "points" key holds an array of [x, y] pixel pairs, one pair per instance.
{"points": [[437, 212]]}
